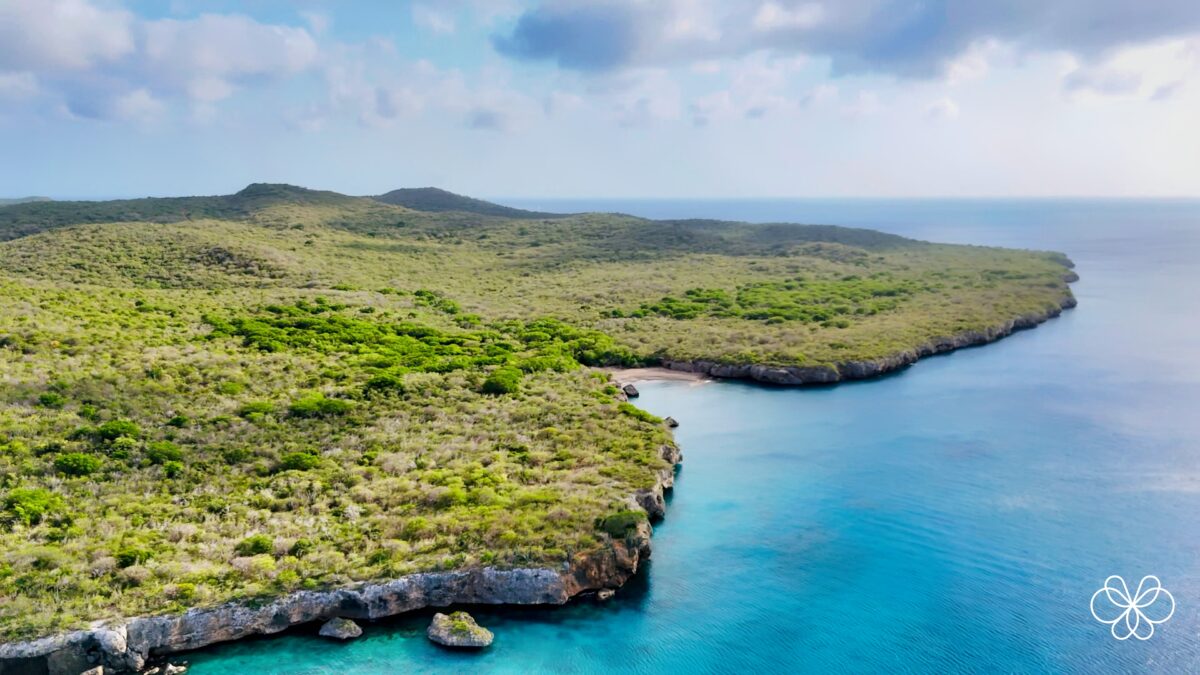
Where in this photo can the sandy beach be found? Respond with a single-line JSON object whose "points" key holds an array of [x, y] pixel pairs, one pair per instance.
{"points": [[634, 375]]}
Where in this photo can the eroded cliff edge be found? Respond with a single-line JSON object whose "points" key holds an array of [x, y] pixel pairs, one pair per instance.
{"points": [[125, 646], [859, 370]]}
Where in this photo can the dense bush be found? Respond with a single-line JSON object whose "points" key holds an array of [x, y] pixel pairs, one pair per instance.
{"points": [[503, 381], [161, 452], [256, 544], [619, 524], [114, 429], [29, 506], [298, 461], [77, 464], [317, 405]]}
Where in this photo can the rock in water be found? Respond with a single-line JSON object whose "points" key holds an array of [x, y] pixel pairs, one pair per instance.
{"points": [[605, 594], [458, 630], [671, 422], [342, 629], [630, 391]]}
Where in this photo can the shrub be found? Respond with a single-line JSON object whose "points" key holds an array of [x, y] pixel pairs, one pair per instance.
{"points": [[637, 413], [173, 469], [256, 408], [77, 464], [161, 452], [506, 380], [317, 405], [179, 422], [618, 524], [255, 544], [114, 429], [128, 556], [385, 383], [51, 399], [30, 506], [301, 547], [298, 461]]}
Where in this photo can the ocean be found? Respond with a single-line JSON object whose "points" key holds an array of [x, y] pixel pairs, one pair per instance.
{"points": [[956, 516]]}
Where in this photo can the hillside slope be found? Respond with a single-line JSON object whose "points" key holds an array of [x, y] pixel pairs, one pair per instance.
{"points": [[436, 200], [212, 399]]}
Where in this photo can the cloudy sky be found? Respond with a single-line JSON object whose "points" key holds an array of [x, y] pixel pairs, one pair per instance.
{"points": [[621, 98]]}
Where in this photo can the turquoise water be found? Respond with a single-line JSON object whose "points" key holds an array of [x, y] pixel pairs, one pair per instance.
{"points": [[956, 516]]}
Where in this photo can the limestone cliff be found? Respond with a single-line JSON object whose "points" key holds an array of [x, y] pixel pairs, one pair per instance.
{"points": [[858, 370], [125, 646]]}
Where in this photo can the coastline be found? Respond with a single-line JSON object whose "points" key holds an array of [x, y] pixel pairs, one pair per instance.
{"points": [[128, 645], [623, 376], [850, 370]]}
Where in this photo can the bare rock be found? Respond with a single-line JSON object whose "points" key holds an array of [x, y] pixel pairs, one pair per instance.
{"points": [[98, 670], [342, 629], [671, 422], [605, 594], [630, 391], [458, 630]]}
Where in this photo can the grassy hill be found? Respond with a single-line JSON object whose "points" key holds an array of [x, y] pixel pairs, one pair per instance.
{"points": [[436, 200], [23, 200], [228, 398]]}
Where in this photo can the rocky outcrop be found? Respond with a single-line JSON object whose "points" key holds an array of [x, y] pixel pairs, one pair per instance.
{"points": [[630, 391], [671, 422], [124, 647], [859, 370], [340, 628], [458, 630]]}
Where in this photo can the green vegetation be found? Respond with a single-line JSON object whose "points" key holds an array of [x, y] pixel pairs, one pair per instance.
{"points": [[228, 398]]}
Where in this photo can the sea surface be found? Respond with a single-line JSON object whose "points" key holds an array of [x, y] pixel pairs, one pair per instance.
{"points": [[954, 517]]}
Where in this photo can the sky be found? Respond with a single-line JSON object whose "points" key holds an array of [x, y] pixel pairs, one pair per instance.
{"points": [[615, 98]]}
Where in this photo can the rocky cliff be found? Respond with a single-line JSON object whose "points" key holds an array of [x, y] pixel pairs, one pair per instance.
{"points": [[125, 646], [858, 370]]}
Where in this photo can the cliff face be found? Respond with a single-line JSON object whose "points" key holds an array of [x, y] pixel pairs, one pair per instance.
{"points": [[125, 646], [858, 370]]}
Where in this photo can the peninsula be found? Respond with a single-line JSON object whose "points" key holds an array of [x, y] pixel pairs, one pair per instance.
{"points": [[223, 416]]}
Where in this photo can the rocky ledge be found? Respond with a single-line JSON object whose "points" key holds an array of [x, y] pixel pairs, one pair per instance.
{"points": [[125, 646], [859, 370]]}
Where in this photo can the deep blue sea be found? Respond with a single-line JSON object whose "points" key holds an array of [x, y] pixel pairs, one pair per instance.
{"points": [[953, 517]]}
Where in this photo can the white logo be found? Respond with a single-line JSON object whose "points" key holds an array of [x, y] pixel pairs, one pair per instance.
{"points": [[1133, 615]]}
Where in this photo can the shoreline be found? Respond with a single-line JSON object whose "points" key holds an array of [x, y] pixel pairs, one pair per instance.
{"points": [[623, 376], [127, 645], [703, 370], [130, 644]]}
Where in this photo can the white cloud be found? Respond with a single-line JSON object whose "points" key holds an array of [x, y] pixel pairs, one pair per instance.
{"points": [[864, 104], [774, 16], [138, 105], [206, 56], [942, 109], [98, 62], [1154, 72], [432, 19], [18, 85], [62, 35]]}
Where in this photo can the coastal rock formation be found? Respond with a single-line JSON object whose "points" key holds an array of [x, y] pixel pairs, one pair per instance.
{"points": [[671, 422], [630, 391], [125, 647], [858, 370], [340, 628], [458, 630]]}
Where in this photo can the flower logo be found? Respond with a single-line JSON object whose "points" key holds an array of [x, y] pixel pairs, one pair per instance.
{"points": [[1132, 615]]}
